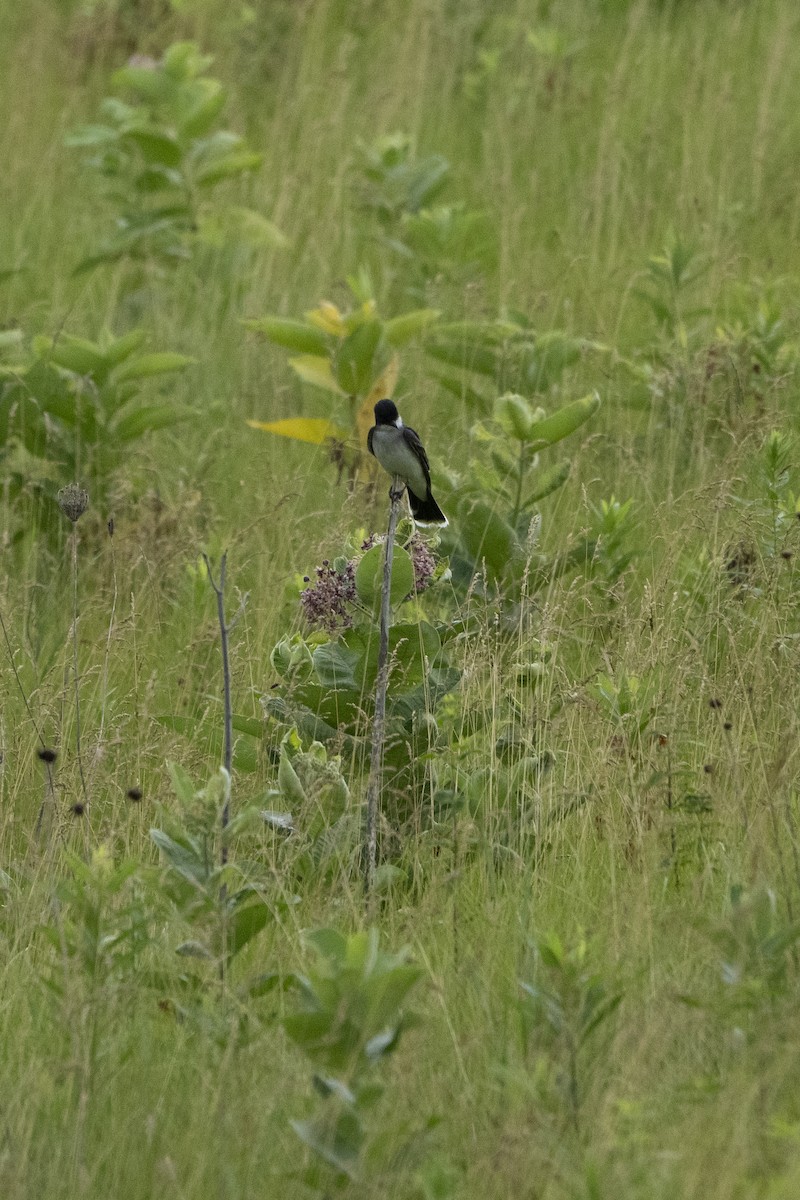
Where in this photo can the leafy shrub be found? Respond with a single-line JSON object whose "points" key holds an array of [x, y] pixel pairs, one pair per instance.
{"points": [[162, 157], [71, 408]]}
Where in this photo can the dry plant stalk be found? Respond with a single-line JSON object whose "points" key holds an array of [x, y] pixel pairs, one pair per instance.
{"points": [[224, 630], [381, 685]]}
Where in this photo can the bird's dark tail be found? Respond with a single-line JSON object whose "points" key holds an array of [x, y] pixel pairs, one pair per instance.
{"points": [[426, 512]]}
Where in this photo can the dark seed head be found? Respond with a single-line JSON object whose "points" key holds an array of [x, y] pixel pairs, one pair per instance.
{"points": [[110, 526], [728, 725], [134, 793], [78, 809], [46, 755], [708, 768], [73, 501], [714, 703], [787, 554]]}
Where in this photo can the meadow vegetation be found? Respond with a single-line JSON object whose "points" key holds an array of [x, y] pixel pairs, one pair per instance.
{"points": [[566, 238]]}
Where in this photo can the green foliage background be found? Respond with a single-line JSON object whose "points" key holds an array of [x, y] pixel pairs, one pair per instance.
{"points": [[629, 758]]}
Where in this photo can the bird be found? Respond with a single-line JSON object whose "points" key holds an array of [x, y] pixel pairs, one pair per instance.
{"points": [[401, 453]]}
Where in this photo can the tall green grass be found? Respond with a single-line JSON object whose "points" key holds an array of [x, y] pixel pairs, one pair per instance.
{"points": [[668, 117]]}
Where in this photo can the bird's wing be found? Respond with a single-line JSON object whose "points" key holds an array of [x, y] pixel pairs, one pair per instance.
{"points": [[369, 440], [415, 445]]}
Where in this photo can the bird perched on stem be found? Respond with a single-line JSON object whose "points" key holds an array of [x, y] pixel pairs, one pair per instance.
{"points": [[401, 453]]}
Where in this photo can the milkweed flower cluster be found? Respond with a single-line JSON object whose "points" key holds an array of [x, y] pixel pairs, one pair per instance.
{"points": [[326, 602]]}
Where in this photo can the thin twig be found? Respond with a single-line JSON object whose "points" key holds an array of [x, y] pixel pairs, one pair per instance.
{"points": [[224, 630], [381, 686], [76, 674]]}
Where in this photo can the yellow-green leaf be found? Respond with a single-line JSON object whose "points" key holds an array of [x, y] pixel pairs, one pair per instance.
{"points": [[314, 430], [313, 368]]}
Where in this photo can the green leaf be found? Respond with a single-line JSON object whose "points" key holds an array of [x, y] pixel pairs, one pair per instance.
{"points": [[335, 666], [182, 857], [387, 991], [294, 335], [355, 358], [145, 420], [338, 1143], [549, 481], [203, 113], [182, 783], [154, 86], [565, 421], [486, 536], [369, 575], [227, 166], [288, 781], [329, 943], [118, 349], [402, 329], [515, 415], [156, 146], [245, 923], [467, 355], [148, 365], [74, 354]]}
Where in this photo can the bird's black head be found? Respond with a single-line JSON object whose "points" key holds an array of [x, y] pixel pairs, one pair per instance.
{"points": [[386, 412]]}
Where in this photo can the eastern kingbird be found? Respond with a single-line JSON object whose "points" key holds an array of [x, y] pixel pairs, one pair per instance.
{"points": [[401, 453]]}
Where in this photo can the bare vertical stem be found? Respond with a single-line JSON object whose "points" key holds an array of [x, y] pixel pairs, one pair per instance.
{"points": [[381, 685], [224, 630], [75, 668]]}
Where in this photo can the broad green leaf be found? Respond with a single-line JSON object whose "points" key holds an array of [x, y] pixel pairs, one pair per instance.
{"points": [[354, 360], [144, 420], [329, 943], [91, 135], [339, 1145], [314, 430], [154, 86], [565, 421], [387, 991], [245, 753], [402, 329], [315, 369], [182, 857], [288, 781], [294, 335], [335, 666], [156, 145], [118, 349], [468, 355], [515, 415], [239, 224], [202, 114], [147, 365], [74, 354], [369, 575], [245, 923], [549, 481], [486, 535], [182, 783], [250, 725], [227, 166]]}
